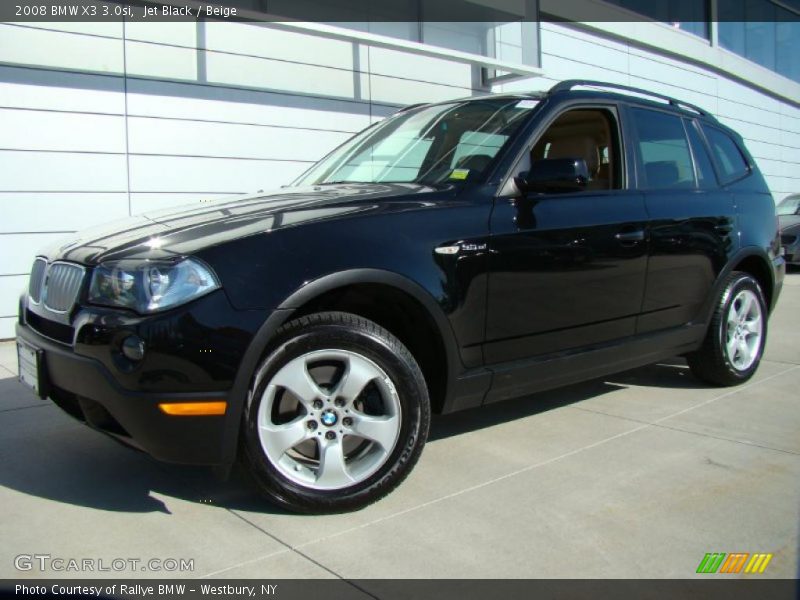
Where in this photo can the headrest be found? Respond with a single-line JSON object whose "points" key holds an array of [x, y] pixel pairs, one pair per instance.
{"points": [[577, 147], [662, 173]]}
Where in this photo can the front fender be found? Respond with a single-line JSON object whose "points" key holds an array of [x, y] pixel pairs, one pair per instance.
{"points": [[306, 293]]}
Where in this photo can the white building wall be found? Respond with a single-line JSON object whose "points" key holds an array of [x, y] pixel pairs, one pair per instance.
{"points": [[99, 120]]}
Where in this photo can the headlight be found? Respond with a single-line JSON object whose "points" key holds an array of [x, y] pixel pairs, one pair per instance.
{"points": [[150, 286]]}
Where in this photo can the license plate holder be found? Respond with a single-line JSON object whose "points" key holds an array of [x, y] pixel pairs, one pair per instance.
{"points": [[30, 361]]}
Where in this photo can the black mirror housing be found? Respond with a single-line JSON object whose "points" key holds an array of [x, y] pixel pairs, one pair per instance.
{"points": [[554, 176]]}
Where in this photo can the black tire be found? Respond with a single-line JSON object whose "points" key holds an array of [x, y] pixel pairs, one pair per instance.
{"points": [[711, 362], [349, 333]]}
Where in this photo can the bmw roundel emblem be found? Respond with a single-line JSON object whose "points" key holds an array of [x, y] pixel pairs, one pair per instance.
{"points": [[328, 418]]}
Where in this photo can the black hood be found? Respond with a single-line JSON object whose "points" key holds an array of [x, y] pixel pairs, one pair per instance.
{"points": [[184, 230]]}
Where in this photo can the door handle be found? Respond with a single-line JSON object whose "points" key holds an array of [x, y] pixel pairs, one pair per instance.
{"points": [[629, 237]]}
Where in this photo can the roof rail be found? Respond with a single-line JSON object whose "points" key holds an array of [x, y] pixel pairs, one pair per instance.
{"points": [[568, 84], [410, 107]]}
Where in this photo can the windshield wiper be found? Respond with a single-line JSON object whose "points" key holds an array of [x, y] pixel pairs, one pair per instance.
{"points": [[341, 182]]}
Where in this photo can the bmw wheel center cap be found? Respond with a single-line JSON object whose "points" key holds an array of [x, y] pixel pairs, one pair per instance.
{"points": [[329, 418]]}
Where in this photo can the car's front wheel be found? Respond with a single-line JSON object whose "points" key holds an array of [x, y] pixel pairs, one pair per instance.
{"points": [[736, 336], [337, 414]]}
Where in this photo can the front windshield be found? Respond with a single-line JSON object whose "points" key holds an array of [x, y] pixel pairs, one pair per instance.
{"points": [[429, 145], [789, 206]]}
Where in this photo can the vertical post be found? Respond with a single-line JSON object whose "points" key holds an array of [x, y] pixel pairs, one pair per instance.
{"points": [[713, 15]]}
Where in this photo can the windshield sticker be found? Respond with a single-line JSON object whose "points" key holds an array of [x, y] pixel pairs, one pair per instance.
{"points": [[526, 103], [459, 174]]}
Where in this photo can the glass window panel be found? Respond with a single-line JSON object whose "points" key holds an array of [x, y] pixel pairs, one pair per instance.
{"points": [[705, 170], [731, 36], [475, 143], [787, 52], [729, 158], [760, 43], [422, 145], [663, 150], [689, 16], [698, 28], [764, 32]]}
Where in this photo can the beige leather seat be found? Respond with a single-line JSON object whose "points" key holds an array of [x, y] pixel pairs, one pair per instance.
{"points": [[577, 147], [581, 147]]}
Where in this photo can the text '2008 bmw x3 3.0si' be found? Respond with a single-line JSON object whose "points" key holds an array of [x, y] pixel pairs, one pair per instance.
{"points": [[453, 255]]}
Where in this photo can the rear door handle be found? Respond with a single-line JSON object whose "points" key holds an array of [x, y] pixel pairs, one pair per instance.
{"points": [[630, 236]]}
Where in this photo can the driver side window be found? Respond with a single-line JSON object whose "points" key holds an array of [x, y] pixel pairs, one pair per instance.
{"points": [[584, 134]]}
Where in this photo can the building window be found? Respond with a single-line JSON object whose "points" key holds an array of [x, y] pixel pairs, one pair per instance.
{"points": [[688, 16], [762, 31]]}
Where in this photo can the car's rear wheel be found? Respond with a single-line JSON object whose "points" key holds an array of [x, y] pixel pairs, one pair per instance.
{"points": [[337, 415], [736, 336]]}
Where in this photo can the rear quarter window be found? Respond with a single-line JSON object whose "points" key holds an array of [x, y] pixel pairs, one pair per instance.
{"points": [[730, 161]]}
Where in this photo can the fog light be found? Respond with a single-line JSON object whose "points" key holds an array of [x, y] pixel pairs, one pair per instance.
{"points": [[133, 348]]}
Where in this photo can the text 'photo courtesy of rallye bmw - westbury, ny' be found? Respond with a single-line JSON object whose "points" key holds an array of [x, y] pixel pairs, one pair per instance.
{"points": [[139, 590]]}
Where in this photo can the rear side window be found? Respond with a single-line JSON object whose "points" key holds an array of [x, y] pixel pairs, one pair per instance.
{"points": [[732, 164], [663, 151], [705, 170]]}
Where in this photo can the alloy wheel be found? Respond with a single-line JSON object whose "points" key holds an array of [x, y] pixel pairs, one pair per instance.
{"points": [[329, 419], [744, 328]]}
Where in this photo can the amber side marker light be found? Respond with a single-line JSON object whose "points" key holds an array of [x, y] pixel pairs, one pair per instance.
{"points": [[193, 409]]}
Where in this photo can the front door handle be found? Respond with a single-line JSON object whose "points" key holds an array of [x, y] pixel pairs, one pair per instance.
{"points": [[629, 237]]}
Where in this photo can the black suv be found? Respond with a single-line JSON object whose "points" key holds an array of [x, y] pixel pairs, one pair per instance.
{"points": [[451, 256]]}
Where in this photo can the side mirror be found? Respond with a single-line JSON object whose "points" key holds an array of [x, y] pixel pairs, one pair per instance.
{"points": [[554, 176]]}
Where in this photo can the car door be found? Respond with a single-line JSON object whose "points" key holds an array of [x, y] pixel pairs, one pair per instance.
{"points": [[567, 270], [692, 220]]}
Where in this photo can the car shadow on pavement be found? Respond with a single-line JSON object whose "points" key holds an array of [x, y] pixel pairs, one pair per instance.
{"points": [[673, 374], [48, 455]]}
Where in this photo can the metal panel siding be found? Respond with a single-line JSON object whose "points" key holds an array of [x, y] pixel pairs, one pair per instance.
{"points": [[11, 286]]}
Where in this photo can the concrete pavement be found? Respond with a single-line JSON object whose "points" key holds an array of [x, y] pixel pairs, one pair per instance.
{"points": [[637, 475]]}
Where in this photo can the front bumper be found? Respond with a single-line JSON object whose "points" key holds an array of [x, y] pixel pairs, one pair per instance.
{"points": [[87, 390]]}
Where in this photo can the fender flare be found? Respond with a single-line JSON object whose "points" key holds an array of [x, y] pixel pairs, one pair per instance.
{"points": [[284, 312], [706, 312]]}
